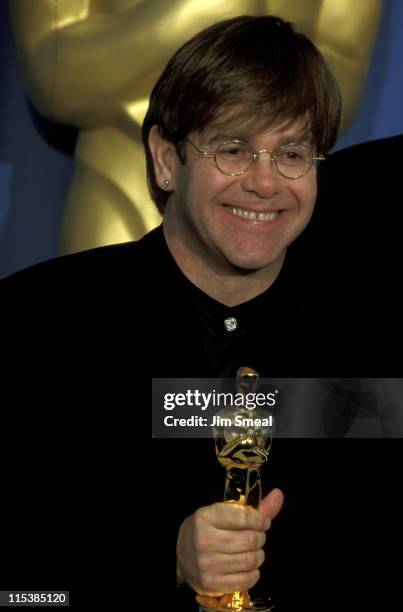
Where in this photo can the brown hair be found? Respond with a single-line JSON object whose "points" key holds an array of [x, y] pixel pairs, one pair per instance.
{"points": [[259, 67]]}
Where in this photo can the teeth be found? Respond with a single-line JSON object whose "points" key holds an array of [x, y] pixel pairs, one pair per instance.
{"points": [[241, 212]]}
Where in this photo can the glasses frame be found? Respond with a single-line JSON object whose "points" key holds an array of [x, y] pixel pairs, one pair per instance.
{"points": [[255, 155]]}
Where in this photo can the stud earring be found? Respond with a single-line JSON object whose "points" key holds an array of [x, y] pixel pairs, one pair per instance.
{"points": [[165, 183]]}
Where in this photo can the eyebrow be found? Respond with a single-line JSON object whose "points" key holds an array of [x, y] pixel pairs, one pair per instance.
{"points": [[296, 137], [218, 138]]}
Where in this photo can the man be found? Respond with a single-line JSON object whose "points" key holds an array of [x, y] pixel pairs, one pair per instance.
{"points": [[232, 165], [237, 125], [233, 140]]}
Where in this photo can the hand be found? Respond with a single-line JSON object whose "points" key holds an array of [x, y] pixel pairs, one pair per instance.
{"points": [[219, 547]]}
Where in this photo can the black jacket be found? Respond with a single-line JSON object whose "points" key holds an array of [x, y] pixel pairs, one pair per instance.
{"points": [[84, 334]]}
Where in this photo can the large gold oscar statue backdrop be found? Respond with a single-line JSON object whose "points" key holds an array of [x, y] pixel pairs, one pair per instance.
{"points": [[92, 64]]}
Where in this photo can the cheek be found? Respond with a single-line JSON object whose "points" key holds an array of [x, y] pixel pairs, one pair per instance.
{"points": [[207, 190], [307, 195]]}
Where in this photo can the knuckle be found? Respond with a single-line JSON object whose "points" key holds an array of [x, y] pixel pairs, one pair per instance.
{"points": [[261, 557], [247, 580], [200, 537], [250, 579], [250, 560], [200, 516], [252, 540]]}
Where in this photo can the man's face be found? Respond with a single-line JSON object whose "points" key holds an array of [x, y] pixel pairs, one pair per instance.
{"points": [[216, 216]]}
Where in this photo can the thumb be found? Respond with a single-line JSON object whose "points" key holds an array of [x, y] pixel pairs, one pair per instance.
{"points": [[271, 504]]}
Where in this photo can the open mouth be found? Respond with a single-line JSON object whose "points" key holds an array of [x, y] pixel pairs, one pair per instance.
{"points": [[252, 215]]}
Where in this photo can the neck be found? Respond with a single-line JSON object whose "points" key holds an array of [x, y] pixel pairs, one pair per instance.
{"points": [[218, 278]]}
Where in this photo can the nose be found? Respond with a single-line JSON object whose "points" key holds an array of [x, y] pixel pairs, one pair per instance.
{"points": [[262, 177]]}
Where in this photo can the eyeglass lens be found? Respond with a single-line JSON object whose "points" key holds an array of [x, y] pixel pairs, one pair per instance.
{"points": [[292, 160]]}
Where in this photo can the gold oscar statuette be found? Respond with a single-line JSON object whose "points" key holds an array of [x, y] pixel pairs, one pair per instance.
{"points": [[242, 437]]}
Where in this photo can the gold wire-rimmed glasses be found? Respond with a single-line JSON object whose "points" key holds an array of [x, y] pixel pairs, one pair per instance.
{"points": [[235, 157]]}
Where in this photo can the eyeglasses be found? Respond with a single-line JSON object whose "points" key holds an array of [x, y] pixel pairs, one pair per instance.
{"points": [[235, 157]]}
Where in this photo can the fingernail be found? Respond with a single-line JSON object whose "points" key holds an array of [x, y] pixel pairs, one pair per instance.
{"points": [[267, 523]]}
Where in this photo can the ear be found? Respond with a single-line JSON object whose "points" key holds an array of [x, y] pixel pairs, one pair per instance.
{"points": [[164, 156]]}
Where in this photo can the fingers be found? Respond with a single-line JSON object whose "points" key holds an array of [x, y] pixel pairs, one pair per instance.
{"points": [[234, 517], [219, 547], [236, 537], [222, 563], [227, 573], [230, 542], [272, 504]]}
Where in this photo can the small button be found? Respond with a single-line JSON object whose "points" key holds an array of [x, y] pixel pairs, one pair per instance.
{"points": [[231, 324]]}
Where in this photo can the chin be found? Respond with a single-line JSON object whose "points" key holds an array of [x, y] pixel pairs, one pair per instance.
{"points": [[251, 264]]}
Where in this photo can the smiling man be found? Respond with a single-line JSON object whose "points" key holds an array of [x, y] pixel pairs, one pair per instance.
{"points": [[238, 124]]}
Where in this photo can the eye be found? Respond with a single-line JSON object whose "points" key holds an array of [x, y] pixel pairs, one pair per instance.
{"points": [[293, 154], [233, 151]]}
